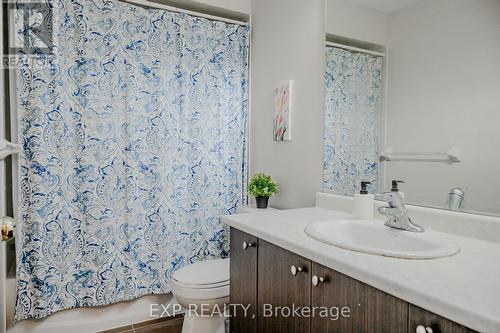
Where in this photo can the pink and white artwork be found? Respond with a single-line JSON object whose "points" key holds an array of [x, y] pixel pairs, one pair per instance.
{"points": [[282, 111]]}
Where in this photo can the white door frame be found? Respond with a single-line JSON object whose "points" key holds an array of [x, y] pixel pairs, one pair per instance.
{"points": [[3, 256]]}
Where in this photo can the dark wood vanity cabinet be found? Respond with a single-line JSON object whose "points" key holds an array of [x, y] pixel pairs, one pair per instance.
{"points": [[370, 309], [264, 274]]}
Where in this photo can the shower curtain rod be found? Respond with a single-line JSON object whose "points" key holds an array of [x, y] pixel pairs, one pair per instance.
{"points": [[145, 3], [352, 48]]}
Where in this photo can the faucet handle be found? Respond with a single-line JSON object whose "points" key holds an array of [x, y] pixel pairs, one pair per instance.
{"points": [[385, 196], [394, 199]]}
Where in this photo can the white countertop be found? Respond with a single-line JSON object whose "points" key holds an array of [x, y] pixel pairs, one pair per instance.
{"points": [[464, 288]]}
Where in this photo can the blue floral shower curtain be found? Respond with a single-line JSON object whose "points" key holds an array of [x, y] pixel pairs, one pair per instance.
{"points": [[352, 113], [135, 145]]}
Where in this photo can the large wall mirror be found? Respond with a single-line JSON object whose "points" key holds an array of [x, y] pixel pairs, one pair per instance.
{"points": [[425, 108]]}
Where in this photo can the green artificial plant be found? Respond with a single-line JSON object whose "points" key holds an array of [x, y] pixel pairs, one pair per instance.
{"points": [[262, 185]]}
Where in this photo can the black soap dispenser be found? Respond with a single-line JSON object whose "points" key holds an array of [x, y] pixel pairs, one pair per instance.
{"points": [[364, 187], [364, 203]]}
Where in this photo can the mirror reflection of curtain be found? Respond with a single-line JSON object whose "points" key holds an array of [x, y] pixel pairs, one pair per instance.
{"points": [[352, 111], [134, 138]]}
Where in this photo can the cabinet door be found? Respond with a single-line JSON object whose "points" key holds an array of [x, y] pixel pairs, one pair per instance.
{"points": [[370, 310], [419, 316], [243, 282], [280, 288]]}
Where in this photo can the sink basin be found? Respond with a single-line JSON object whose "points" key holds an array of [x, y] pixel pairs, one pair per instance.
{"points": [[373, 237]]}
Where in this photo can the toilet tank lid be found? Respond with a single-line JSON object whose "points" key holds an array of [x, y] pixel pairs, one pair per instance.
{"points": [[204, 272]]}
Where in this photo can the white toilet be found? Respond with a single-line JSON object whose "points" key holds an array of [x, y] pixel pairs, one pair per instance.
{"points": [[202, 289]]}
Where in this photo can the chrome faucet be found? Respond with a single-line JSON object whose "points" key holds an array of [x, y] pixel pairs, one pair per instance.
{"points": [[396, 212]]}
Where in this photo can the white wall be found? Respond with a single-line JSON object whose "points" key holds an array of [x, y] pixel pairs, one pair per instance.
{"points": [[288, 42], [288, 39], [220, 6], [242, 6], [444, 90], [357, 22]]}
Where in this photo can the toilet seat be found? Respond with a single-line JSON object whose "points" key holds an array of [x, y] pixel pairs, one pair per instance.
{"points": [[207, 279], [204, 273], [201, 286], [200, 294]]}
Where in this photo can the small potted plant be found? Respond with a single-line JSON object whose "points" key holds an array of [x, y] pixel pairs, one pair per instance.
{"points": [[262, 187]]}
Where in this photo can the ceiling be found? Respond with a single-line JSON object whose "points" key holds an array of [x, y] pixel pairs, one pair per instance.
{"points": [[387, 6]]}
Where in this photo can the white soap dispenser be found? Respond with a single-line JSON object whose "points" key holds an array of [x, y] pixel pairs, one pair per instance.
{"points": [[395, 188], [364, 203]]}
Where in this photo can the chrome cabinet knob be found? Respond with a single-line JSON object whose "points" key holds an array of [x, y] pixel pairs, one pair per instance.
{"points": [[316, 280], [247, 245], [422, 329], [7, 228], [296, 269]]}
